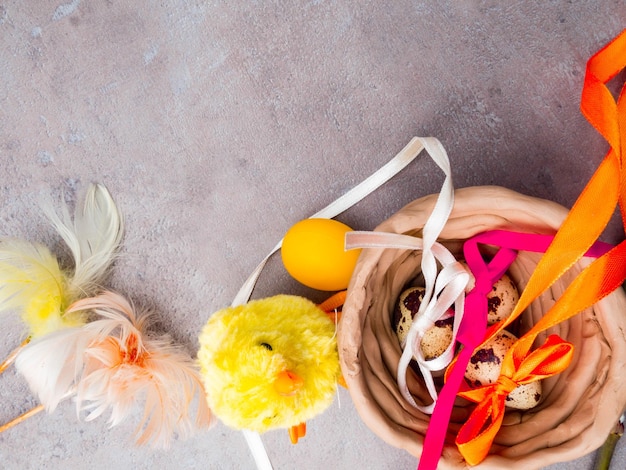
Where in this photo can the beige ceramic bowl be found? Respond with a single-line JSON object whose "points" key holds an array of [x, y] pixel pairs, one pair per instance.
{"points": [[579, 407]]}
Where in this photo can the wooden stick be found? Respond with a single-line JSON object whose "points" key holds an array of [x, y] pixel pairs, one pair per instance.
{"points": [[605, 454], [21, 418], [11, 358]]}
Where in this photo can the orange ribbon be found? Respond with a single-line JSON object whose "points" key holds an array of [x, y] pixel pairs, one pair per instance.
{"points": [[474, 439], [582, 227]]}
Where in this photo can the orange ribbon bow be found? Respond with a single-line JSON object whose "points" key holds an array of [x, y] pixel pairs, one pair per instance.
{"points": [[551, 358], [582, 227]]}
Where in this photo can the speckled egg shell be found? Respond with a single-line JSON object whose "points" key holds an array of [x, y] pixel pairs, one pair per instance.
{"points": [[436, 339], [525, 397], [484, 368], [407, 306], [501, 300]]}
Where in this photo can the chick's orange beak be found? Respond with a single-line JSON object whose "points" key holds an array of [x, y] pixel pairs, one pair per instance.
{"points": [[287, 383]]}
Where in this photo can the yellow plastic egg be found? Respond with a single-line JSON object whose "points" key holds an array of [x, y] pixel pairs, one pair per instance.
{"points": [[313, 253]]}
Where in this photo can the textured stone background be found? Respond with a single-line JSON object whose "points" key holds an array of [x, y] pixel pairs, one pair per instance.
{"points": [[216, 125]]}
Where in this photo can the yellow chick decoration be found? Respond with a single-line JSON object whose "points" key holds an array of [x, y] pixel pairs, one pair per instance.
{"points": [[271, 363]]}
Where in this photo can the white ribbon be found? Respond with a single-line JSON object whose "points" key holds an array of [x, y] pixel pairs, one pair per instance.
{"points": [[258, 450], [356, 194], [448, 289], [363, 189]]}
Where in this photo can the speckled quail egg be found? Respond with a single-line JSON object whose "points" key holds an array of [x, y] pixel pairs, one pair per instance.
{"points": [[484, 368], [437, 338], [501, 300]]}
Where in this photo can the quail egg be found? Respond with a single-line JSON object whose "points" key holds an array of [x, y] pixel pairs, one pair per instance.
{"points": [[437, 338], [484, 368], [502, 298]]}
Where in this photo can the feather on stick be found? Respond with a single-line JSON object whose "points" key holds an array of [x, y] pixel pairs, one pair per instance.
{"points": [[31, 280], [93, 236], [111, 362]]}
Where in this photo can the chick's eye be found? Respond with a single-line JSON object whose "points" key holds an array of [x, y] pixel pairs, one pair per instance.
{"points": [[267, 346]]}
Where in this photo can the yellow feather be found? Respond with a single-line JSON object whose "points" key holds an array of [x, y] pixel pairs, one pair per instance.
{"points": [[33, 283]]}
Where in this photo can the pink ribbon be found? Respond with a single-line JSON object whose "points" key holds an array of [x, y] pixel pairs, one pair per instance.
{"points": [[474, 323]]}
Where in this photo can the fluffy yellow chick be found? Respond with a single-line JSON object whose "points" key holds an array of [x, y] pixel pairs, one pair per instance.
{"points": [[271, 363]]}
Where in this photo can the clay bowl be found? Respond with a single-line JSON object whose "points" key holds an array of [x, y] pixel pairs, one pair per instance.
{"points": [[579, 407]]}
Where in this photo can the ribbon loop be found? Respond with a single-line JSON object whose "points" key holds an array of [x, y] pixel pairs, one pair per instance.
{"points": [[583, 225], [551, 358], [597, 102], [441, 288], [474, 439]]}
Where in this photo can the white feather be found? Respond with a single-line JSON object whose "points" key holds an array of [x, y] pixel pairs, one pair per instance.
{"points": [[113, 363], [92, 237], [52, 364]]}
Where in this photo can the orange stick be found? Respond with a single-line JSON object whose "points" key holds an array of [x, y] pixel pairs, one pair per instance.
{"points": [[21, 418], [9, 360]]}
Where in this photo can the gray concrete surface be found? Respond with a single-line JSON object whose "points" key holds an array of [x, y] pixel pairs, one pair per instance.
{"points": [[216, 125]]}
